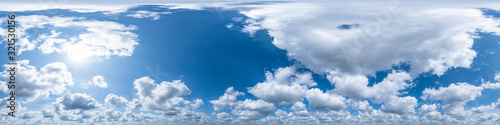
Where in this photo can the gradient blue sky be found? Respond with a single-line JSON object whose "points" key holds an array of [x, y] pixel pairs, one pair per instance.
{"points": [[212, 48]]}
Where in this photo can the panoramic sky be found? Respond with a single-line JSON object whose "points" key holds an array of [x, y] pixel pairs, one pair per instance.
{"points": [[253, 62]]}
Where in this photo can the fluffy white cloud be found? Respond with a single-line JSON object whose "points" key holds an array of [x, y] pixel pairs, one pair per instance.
{"points": [[76, 101], [147, 14], [299, 108], [400, 105], [362, 105], [52, 78], [115, 100], [245, 110], [489, 118], [454, 98], [224, 117], [431, 40], [325, 101], [454, 94], [99, 38], [429, 112], [387, 91], [163, 97], [356, 86], [99, 81], [483, 108], [228, 100], [48, 114], [252, 110], [284, 87]]}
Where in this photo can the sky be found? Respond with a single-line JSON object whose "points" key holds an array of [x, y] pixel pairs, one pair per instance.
{"points": [[253, 62]]}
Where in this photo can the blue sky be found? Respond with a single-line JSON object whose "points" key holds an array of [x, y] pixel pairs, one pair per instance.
{"points": [[257, 63]]}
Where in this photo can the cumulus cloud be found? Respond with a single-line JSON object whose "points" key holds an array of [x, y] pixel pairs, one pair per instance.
{"points": [[284, 87], [299, 108], [362, 105], [147, 14], [356, 86], [163, 97], [99, 38], [228, 100], [454, 94], [152, 97], [483, 108], [325, 101], [400, 105], [31, 83], [387, 91], [114, 100], [429, 112], [454, 98], [245, 110], [224, 117], [252, 110], [76, 101], [431, 40], [99, 81]]}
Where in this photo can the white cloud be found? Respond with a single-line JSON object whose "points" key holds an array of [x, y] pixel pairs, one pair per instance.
{"points": [[76, 101], [429, 112], [134, 104], [454, 94], [195, 103], [431, 40], [454, 98], [489, 118], [252, 110], [387, 91], [362, 105], [50, 42], [245, 110], [162, 98], [428, 29], [223, 117], [114, 100], [147, 14], [32, 84], [48, 114], [356, 86], [400, 105], [483, 108], [325, 101], [284, 87], [100, 38], [228, 100], [299, 108], [99, 81]]}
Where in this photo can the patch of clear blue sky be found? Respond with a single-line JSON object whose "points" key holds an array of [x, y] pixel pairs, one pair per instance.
{"points": [[196, 47]]}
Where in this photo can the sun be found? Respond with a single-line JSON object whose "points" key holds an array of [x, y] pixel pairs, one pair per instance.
{"points": [[79, 54]]}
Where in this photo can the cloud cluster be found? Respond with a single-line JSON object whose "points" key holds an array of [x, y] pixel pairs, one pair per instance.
{"points": [[431, 40], [76, 101], [345, 45], [387, 91], [453, 99], [228, 100], [152, 97], [114, 100], [98, 38], [245, 110], [147, 14], [163, 97], [99, 81], [284, 87], [325, 101], [32, 84]]}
